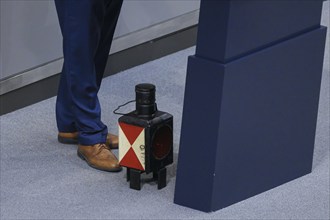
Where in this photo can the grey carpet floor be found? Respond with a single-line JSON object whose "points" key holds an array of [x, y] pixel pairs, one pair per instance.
{"points": [[42, 179]]}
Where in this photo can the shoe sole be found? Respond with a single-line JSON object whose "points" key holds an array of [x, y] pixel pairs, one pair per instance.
{"points": [[107, 170]]}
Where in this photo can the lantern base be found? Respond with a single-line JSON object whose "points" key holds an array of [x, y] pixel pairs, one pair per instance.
{"points": [[134, 177]]}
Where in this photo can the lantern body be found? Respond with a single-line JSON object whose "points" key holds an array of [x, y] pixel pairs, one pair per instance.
{"points": [[146, 145]]}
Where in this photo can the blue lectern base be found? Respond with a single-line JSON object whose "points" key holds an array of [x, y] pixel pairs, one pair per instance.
{"points": [[249, 125]]}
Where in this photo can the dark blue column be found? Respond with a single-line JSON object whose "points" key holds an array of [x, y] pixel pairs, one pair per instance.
{"points": [[251, 100]]}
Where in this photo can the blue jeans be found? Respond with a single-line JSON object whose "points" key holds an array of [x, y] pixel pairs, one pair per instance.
{"points": [[87, 27]]}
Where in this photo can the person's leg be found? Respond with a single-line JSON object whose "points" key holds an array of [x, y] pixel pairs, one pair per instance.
{"points": [[64, 116], [81, 22], [112, 11]]}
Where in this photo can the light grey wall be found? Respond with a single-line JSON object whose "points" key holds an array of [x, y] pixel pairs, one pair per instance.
{"points": [[30, 34]]}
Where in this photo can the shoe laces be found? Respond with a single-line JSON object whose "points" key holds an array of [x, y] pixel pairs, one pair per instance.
{"points": [[101, 147], [104, 146]]}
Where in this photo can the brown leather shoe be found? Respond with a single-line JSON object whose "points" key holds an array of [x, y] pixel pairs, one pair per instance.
{"points": [[72, 138], [67, 137], [100, 157], [112, 141]]}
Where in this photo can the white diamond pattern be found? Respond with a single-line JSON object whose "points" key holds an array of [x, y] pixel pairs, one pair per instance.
{"points": [[124, 144], [139, 148]]}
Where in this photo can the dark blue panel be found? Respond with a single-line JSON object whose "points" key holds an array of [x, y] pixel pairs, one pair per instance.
{"points": [[200, 124], [249, 125], [268, 118], [213, 29], [230, 29]]}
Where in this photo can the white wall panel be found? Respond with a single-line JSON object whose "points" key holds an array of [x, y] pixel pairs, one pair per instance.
{"points": [[30, 34]]}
